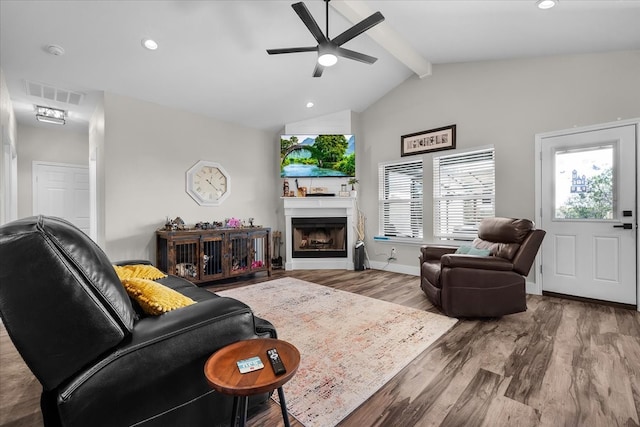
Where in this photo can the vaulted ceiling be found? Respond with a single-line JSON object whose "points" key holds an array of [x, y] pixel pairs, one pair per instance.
{"points": [[212, 54]]}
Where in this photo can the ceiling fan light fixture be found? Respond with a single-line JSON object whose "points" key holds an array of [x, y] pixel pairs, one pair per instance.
{"points": [[327, 59], [546, 4]]}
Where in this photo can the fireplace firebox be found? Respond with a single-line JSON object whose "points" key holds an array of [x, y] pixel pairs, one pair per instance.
{"points": [[324, 237]]}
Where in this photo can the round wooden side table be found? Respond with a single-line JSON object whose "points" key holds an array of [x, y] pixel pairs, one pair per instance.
{"points": [[223, 375]]}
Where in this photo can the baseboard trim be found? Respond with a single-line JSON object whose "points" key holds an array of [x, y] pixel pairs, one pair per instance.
{"points": [[396, 268], [590, 300]]}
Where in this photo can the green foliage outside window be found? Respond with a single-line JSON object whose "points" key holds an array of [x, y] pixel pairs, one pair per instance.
{"points": [[596, 203]]}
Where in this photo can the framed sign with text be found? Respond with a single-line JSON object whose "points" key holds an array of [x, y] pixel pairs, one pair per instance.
{"points": [[443, 138]]}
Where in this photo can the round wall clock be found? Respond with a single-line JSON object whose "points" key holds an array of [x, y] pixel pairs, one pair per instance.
{"points": [[208, 183]]}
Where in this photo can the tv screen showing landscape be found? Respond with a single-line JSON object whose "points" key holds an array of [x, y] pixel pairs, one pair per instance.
{"points": [[317, 156]]}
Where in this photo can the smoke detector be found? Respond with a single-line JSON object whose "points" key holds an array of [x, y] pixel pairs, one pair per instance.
{"points": [[55, 50]]}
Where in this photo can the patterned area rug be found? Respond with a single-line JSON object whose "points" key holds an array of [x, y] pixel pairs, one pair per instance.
{"points": [[350, 345]]}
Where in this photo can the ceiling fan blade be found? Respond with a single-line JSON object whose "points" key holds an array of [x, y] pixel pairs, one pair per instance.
{"points": [[292, 50], [311, 23], [358, 29], [317, 72], [357, 56]]}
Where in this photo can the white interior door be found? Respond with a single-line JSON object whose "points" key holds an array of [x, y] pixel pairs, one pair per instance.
{"points": [[63, 191], [588, 208]]}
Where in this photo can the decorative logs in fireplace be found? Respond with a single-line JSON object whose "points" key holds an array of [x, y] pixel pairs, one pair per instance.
{"points": [[322, 237]]}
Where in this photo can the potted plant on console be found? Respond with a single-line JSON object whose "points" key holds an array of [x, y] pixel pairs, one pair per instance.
{"points": [[353, 182]]}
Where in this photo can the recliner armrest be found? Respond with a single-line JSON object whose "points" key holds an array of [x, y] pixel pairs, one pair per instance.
{"points": [[474, 261], [132, 262], [434, 252], [163, 353]]}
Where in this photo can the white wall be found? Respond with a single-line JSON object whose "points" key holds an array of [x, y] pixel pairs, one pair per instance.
{"points": [[52, 144], [504, 103], [147, 150], [8, 156], [96, 174]]}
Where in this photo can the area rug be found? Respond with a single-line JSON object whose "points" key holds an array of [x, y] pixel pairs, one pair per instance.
{"points": [[350, 345]]}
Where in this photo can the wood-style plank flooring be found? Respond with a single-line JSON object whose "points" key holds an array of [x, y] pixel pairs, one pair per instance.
{"points": [[560, 363]]}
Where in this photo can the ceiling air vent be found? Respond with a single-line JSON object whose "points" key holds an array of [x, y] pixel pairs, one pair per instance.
{"points": [[51, 93]]}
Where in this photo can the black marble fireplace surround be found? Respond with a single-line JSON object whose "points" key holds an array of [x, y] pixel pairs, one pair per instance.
{"points": [[323, 237]]}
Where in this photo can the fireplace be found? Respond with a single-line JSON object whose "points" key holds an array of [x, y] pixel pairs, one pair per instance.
{"points": [[325, 224], [319, 237]]}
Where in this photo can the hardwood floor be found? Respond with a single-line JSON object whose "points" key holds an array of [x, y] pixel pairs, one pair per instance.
{"points": [[560, 363]]}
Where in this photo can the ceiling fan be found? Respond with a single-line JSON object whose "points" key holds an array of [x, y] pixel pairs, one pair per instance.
{"points": [[329, 49]]}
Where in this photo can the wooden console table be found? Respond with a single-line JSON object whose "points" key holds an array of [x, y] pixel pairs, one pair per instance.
{"points": [[206, 255]]}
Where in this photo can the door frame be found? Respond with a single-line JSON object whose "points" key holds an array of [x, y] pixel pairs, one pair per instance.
{"points": [[536, 288]]}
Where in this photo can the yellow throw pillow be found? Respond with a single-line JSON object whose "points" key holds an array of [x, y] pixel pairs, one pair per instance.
{"points": [[153, 297], [139, 271]]}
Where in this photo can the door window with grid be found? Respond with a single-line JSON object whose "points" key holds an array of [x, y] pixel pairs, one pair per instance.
{"points": [[400, 199], [463, 193]]}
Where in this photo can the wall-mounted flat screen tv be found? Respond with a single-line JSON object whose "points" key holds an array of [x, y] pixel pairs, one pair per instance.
{"points": [[317, 156]]}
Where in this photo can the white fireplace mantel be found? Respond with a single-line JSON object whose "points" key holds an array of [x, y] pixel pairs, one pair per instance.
{"points": [[300, 207]]}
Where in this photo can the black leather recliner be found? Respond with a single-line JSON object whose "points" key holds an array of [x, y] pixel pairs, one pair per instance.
{"points": [[101, 362]]}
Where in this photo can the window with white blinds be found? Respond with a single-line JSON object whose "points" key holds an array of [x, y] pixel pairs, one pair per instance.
{"points": [[400, 199], [463, 193]]}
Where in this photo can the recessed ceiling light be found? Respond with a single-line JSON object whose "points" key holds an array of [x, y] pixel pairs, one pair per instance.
{"points": [[149, 44], [309, 104], [546, 4]]}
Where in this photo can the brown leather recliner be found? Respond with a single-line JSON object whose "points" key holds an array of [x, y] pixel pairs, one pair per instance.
{"points": [[465, 285]]}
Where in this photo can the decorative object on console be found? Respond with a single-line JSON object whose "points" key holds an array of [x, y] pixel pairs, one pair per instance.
{"points": [[353, 182], [439, 139], [174, 224], [233, 222], [208, 183], [318, 190], [207, 225]]}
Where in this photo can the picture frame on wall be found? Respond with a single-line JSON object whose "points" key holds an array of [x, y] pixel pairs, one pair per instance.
{"points": [[439, 139]]}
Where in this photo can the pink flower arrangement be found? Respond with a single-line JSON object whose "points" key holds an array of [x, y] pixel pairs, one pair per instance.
{"points": [[234, 222]]}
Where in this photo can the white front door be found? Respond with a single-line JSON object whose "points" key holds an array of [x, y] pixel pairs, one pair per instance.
{"points": [[588, 209], [63, 191]]}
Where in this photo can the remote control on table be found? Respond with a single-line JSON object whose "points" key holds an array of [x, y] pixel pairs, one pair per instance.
{"points": [[276, 362]]}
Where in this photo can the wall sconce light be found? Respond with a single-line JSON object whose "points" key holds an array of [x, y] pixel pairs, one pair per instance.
{"points": [[50, 115]]}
